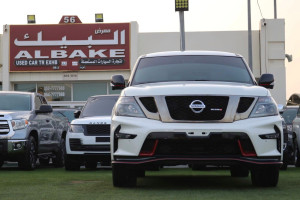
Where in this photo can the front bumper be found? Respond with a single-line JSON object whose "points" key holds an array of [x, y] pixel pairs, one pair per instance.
{"points": [[79, 144], [12, 150], [129, 151]]}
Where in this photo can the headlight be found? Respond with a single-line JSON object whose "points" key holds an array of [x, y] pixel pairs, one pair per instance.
{"points": [[18, 124], [76, 129], [127, 106], [265, 106]]}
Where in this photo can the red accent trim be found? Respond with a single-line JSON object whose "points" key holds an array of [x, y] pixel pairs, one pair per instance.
{"points": [[246, 154], [202, 159], [152, 152]]}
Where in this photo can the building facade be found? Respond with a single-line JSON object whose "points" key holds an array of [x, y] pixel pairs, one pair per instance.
{"points": [[70, 62]]}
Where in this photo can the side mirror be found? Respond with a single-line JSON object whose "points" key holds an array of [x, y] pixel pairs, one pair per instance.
{"points": [[281, 108], [267, 81], [44, 109], [77, 113], [117, 82]]}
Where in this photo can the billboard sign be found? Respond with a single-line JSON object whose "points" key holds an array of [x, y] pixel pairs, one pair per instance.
{"points": [[70, 47]]}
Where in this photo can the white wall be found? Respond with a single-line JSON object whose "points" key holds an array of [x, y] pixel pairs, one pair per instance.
{"points": [[229, 41]]}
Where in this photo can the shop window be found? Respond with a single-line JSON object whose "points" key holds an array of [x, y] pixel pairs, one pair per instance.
{"points": [[55, 91], [25, 87], [82, 91]]}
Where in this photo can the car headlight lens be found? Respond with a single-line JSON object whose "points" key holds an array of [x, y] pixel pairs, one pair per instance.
{"points": [[18, 124], [127, 106], [76, 129], [265, 106]]}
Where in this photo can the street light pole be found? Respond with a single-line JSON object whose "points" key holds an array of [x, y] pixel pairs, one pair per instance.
{"points": [[181, 6], [182, 31], [249, 36], [275, 9]]}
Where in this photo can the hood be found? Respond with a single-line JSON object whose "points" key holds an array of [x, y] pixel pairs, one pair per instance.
{"points": [[15, 114], [196, 88], [93, 120]]}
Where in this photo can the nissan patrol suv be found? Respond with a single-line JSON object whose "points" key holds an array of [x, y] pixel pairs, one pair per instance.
{"points": [[195, 108]]}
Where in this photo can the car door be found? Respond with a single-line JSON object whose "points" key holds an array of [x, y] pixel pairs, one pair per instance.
{"points": [[45, 126], [296, 126]]}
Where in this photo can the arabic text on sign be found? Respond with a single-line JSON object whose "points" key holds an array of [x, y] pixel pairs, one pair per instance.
{"points": [[102, 61]]}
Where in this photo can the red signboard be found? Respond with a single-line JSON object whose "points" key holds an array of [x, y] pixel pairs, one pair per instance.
{"points": [[69, 47]]}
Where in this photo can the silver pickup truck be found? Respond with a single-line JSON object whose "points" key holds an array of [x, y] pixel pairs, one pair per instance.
{"points": [[29, 130]]}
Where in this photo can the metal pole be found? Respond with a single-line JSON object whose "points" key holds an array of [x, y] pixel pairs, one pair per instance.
{"points": [[249, 36], [275, 9], [182, 32]]}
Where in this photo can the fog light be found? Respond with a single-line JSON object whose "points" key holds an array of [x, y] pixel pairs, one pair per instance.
{"points": [[18, 146], [270, 136], [124, 136]]}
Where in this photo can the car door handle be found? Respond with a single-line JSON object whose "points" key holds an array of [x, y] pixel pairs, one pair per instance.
{"points": [[47, 120]]}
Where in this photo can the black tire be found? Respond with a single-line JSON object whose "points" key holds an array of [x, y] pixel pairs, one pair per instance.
{"points": [[59, 160], [123, 177], [239, 171], [265, 177], [71, 164], [44, 161], [284, 166], [30, 157], [198, 167], [91, 165], [296, 153], [105, 163]]}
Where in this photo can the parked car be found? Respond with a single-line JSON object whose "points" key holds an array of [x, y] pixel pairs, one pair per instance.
{"points": [[288, 114], [296, 132], [30, 130], [66, 112], [195, 107], [88, 139]]}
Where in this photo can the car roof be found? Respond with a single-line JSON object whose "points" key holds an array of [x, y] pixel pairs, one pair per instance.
{"points": [[108, 95], [191, 53]]}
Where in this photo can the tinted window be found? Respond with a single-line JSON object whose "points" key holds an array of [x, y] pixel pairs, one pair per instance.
{"points": [[289, 115], [191, 68], [99, 106], [20, 102]]}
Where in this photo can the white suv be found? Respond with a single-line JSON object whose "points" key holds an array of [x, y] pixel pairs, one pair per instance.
{"points": [[196, 108], [88, 139]]}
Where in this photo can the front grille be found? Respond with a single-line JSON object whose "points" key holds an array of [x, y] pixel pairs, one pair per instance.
{"points": [[149, 104], [245, 103], [179, 107], [217, 144], [97, 130], [75, 145], [4, 127]]}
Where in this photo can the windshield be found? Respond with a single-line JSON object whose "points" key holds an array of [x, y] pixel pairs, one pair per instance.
{"points": [[191, 68], [99, 106], [20, 102], [289, 115]]}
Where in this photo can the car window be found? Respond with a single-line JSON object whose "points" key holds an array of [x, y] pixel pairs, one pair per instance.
{"points": [[191, 68], [99, 106], [37, 103], [15, 102], [289, 115]]}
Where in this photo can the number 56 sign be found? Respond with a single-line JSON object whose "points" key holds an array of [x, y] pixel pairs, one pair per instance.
{"points": [[69, 19]]}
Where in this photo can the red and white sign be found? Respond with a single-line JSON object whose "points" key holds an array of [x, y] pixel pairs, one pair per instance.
{"points": [[70, 47]]}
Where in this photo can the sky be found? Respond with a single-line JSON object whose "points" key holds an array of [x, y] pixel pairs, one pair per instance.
{"points": [[160, 16]]}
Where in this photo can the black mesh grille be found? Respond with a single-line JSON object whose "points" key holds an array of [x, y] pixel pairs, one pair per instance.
{"points": [[215, 144], [179, 107], [149, 104], [97, 130], [245, 103]]}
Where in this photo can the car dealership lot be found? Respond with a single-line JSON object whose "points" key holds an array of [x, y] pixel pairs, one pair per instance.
{"points": [[172, 183]]}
